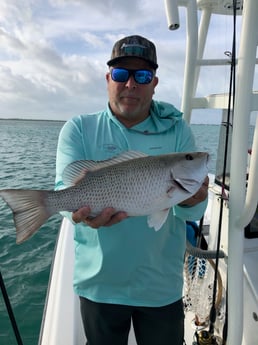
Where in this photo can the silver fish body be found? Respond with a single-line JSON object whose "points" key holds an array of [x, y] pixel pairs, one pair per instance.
{"points": [[133, 182]]}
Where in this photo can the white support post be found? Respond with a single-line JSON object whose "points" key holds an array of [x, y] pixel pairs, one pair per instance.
{"points": [[246, 65]]}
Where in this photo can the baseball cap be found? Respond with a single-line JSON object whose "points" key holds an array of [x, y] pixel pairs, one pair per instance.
{"points": [[134, 46]]}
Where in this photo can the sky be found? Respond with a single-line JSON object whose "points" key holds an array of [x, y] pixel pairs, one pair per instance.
{"points": [[53, 54]]}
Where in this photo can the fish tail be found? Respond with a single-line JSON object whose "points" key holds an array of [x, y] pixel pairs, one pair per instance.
{"points": [[29, 210]]}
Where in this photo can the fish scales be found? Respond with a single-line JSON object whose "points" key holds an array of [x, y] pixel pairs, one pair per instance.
{"points": [[130, 186], [133, 182]]}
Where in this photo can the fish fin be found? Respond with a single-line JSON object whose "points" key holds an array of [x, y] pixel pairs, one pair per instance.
{"points": [[29, 210], [157, 219], [77, 170]]}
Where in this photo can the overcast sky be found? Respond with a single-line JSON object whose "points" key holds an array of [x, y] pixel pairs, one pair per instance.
{"points": [[53, 54]]}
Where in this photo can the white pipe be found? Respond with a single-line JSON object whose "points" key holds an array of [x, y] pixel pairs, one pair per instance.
{"points": [[171, 8], [246, 64], [213, 62], [203, 31], [252, 189], [191, 57]]}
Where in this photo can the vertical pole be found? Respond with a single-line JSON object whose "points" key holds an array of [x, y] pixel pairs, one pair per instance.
{"points": [[190, 60], [245, 73]]}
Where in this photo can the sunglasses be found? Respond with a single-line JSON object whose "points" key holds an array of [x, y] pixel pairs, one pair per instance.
{"points": [[122, 75]]}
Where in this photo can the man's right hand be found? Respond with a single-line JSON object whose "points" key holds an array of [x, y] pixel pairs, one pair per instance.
{"points": [[107, 217]]}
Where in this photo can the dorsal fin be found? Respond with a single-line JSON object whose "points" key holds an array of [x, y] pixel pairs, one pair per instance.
{"points": [[77, 170]]}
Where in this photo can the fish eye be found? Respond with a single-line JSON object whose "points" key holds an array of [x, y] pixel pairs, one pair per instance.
{"points": [[189, 157]]}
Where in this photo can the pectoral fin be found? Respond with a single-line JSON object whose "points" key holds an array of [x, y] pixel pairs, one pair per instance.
{"points": [[157, 219]]}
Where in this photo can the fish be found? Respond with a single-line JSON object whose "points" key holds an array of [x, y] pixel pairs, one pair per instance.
{"points": [[139, 184]]}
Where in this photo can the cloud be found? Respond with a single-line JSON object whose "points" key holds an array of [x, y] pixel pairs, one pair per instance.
{"points": [[53, 53]]}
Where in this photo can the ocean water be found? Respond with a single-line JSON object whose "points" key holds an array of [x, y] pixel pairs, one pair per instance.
{"points": [[27, 160]]}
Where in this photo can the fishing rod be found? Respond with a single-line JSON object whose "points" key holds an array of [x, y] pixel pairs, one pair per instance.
{"points": [[229, 123], [206, 337], [10, 311]]}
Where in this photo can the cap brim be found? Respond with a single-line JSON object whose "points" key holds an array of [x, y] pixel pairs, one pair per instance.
{"points": [[117, 59]]}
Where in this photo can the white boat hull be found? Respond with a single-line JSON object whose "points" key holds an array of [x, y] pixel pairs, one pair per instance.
{"points": [[62, 320]]}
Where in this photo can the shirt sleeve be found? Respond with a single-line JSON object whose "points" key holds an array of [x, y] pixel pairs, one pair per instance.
{"points": [[191, 213], [69, 149]]}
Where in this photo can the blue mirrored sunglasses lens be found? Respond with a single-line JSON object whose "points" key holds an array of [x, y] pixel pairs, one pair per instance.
{"points": [[143, 76], [120, 75], [140, 76]]}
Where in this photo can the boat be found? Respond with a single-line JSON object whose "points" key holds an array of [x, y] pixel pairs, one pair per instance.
{"points": [[221, 280]]}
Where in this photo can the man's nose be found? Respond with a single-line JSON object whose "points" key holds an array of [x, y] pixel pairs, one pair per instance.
{"points": [[131, 83]]}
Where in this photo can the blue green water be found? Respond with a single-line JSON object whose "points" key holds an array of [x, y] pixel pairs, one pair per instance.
{"points": [[27, 160]]}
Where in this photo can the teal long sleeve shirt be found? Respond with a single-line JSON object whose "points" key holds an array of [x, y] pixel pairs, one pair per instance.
{"points": [[129, 263]]}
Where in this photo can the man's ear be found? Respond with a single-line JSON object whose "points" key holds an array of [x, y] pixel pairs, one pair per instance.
{"points": [[108, 75], [156, 81]]}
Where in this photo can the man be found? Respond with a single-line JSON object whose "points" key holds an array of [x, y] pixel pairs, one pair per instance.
{"points": [[125, 271]]}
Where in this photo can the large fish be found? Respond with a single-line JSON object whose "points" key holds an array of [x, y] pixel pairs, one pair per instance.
{"points": [[132, 182]]}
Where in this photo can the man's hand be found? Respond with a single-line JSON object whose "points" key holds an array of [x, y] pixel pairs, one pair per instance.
{"points": [[198, 197], [107, 217]]}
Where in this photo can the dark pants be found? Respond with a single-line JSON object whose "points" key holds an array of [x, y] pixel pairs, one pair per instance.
{"points": [[109, 324]]}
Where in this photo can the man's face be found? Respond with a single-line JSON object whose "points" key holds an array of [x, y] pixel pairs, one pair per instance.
{"points": [[130, 101]]}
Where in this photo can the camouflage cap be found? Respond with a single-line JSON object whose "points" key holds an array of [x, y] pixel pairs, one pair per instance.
{"points": [[134, 46]]}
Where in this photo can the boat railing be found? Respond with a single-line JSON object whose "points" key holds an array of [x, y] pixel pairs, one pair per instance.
{"points": [[242, 201]]}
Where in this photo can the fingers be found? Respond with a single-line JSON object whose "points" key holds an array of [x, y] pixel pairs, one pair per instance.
{"points": [[116, 218], [81, 214], [109, 216]]}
